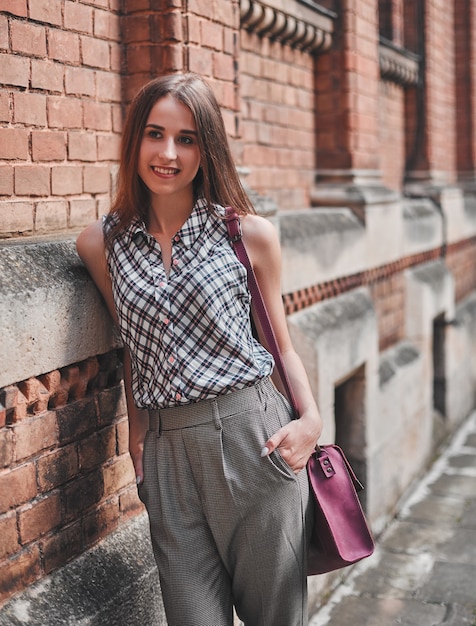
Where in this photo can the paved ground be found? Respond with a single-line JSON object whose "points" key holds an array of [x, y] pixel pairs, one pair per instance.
{"points": [[423, 572]]}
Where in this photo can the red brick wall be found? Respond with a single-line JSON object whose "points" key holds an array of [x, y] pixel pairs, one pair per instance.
{"points": [[66, 478], [392, 134], [60, 113], [277, 104]]}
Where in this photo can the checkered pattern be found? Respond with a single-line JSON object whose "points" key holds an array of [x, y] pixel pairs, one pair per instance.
{"points": [[188, 333]]}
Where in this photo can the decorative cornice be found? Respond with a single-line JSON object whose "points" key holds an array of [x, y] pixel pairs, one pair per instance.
{"points": [[398, 65], [271, 22]]}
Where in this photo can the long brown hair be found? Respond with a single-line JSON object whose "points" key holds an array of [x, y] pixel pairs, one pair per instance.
{"points": [[217, 179]]}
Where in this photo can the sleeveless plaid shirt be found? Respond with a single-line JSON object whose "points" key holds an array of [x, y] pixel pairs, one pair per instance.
{"points": [[189, 333]]}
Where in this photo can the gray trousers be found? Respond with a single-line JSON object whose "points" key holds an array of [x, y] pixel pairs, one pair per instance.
{"points": [[228, 527]]}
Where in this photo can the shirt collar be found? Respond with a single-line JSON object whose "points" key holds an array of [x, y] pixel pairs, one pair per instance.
{"points": [[194, 225], [189, 232]]}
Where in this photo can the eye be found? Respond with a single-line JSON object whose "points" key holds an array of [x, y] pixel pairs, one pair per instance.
{"points": [[186, 140], [154, 134]]}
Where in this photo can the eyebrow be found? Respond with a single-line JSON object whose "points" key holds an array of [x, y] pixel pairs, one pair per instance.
{"points": [[183, 131]]}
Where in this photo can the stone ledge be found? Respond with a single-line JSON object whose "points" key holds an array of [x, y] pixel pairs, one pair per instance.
{"points": [[52, 314]]}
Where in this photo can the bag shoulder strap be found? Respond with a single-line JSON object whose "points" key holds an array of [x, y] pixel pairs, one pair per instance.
{"points": [[235, 235]]}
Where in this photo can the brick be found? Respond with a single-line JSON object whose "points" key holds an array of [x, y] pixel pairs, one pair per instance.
{"points": [[66, 180], [136, 28], [47, 75], [171, 26], [82, 146], [106, 25], [138, 58], [6, 446], [4, 106], [61, 546], [9, 534], [48, 146], [76, 419], [64, 112], [96, 179], [48, 11], [129, 503], [19, 571], [15, 70], [122, 430], [101, 521], [57, 467], [6, 180], [115, 53], [98, 448], [78, 16], [108, 147], [111, 404], [35, 393], [108, 86], [211, 35], [51, 216], [15, 7], [29, 108], [17, 486], [4, 41], [34, 435], [80, 81], [200, 61], [16, 217], [39, 517], [117, 118], [81, 494], [118, 474], [63, 46], [95, 52], [76, 380], [97, 116], [32, 180], [28, 38], [82, 212]]}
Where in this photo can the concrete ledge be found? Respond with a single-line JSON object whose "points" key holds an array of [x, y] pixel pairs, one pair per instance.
{"points": [[52, 314], [114, 583]]}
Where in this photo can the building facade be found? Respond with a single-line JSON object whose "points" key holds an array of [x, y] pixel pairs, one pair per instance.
{"points": [[353, 125]]}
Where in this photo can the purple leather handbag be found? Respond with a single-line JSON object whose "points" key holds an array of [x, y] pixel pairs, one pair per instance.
{"points": [[340, 533]]}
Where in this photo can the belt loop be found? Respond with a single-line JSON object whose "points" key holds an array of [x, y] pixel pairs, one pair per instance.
{"points": [[263, 392], [216, 415]]}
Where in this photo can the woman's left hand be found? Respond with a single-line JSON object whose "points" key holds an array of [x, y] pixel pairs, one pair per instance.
{"points": [[296, 441]]}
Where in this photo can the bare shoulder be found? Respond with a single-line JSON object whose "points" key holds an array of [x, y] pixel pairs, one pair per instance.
{"points": [[90, 243], [258, 232]]}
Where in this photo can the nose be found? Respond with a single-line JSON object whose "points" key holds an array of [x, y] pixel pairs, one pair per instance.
{"points": [[168, 150]]}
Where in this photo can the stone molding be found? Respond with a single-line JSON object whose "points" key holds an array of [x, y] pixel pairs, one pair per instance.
{"points": [[398, 65], [306, 30], [308, 296]]}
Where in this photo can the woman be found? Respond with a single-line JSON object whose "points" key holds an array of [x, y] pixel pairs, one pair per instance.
{"points": [[218, 458]]}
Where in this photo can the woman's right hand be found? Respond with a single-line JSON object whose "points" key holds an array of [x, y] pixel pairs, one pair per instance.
{"points": [[137, 460]]}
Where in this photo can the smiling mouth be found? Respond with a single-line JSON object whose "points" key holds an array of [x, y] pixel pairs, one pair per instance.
{"points": [[166, 171]]}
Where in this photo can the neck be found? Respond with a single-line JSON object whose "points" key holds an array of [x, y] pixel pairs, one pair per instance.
{"points": [[168, 214]]}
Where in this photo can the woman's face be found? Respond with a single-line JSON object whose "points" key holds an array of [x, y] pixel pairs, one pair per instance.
{"points": [[169, 155]]}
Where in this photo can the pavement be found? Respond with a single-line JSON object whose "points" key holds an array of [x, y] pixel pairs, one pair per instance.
{"points": [[423, 572]]}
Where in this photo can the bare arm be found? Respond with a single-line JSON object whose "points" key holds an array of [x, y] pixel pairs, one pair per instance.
{"points": [[296, 440], [91, 249]]}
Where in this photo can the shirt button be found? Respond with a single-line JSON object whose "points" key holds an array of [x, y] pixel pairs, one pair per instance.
{"points": [[161, 284], [171, 360], [166, 320], [178, 396], [177, 238], [175, 262]]}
